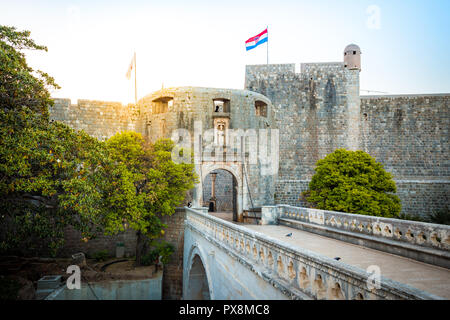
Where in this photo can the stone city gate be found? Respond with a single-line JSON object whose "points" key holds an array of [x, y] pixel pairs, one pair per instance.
{"points": [[239, 186]]}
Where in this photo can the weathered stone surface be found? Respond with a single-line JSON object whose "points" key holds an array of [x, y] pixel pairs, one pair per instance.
{"points": [[243, 262]]}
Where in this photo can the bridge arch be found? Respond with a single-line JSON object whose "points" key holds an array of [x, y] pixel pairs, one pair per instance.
{"points": [[198, 285]]}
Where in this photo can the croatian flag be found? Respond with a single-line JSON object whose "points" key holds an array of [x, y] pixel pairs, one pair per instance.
{"points": [[255, 41]]}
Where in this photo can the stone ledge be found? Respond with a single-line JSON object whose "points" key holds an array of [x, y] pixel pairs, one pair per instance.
{"points": [[427, 255]]}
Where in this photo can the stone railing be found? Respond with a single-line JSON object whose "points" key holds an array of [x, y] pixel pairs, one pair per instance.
{"points": [[297, 272], [426, 242]]}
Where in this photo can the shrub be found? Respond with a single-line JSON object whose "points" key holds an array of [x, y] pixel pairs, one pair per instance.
{"points": [[165, 251], [149, 258], [353, 182], [101, 255], [161, 249]]}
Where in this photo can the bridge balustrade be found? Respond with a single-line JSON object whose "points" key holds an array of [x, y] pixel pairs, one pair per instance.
{"points": [[426, 242], [297, 272]]}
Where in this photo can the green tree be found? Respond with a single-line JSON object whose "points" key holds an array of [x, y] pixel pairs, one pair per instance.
{"points": [[50, 175], [20, 85], [353, 182], [151, 187]]}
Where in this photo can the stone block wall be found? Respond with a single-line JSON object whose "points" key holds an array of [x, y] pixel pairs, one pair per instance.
{"points": [[422, 197], [173, 271], [289, 191], [314, 111], [319, 110], [191, 104], [100, 119], [409, 135], [74, 243]]}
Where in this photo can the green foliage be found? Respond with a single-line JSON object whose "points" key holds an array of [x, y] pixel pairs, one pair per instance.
{"points": [[52, 176], [353, 182], [149, 258], [101, 255], [159, 250], [151, 185], [20, 85], [165, 250]]}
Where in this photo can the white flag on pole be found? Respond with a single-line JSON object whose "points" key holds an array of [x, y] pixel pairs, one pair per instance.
{"points": [[130, 68]]}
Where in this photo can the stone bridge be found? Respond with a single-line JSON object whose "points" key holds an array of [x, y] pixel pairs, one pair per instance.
{"points": [[380, 258]]}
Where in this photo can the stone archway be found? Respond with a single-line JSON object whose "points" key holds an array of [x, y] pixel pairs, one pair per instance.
{"points": [[235, 169], [198, 286], [220, 193]]}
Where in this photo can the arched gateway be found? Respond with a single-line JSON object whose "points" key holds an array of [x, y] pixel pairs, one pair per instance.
{"points": [[234, 191]]}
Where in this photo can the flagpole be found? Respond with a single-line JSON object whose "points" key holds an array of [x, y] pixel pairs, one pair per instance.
{"points": [[267, 46], [135, 82]]}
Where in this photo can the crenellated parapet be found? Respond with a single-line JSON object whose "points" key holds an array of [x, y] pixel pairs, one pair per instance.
{"points": [[101, 119]]}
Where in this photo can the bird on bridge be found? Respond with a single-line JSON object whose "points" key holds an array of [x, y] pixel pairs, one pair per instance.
{"points": [[289, 235], [337, 258]]}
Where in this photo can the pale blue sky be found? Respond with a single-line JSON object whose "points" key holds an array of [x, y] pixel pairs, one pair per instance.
{"points": [[201, 43]]}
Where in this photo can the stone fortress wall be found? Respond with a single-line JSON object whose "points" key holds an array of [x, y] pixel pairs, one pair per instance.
{"points": [[159, 118], [100, 119], [317, 111], [409, 134], [312, 111]]}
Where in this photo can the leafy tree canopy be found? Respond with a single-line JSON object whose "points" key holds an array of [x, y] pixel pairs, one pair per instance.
{"points": [[353, 182], [20, 85], [152, 185], [50, 176]]}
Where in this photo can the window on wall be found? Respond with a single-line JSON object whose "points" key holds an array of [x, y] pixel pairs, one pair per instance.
{"points": [[162, 105], [261, 108], [221, 105]]}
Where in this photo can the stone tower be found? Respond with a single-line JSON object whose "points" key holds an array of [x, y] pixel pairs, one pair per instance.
{"points": [[352, 62], [352, 57]]}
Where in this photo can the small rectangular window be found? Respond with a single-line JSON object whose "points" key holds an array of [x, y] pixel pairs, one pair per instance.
{"points": [[162, 104], [221, 105], [261, 108]]}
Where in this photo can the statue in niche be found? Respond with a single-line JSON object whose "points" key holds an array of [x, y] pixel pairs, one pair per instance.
{"points": [[220, 136]]}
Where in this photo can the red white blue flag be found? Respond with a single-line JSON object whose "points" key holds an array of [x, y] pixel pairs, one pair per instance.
{"points": [[255, 41]]}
